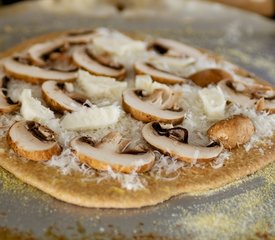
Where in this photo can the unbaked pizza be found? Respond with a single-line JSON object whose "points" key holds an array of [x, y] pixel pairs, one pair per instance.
{"points": [[100, 118]]}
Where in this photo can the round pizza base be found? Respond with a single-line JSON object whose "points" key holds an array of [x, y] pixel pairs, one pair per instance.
{"points": [[80, 190]]}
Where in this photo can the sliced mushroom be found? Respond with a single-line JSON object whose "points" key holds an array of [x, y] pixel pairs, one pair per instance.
{"points": [[158, 106], [252, 88], [6, 104], [37, 51], [146, 68], [233, 96], [81, 36], [209, 76], [32, 140], [232, 132], [267, 105], [173, 48], [99, 65], [58, 99], [174, 141], [33, 74], [111, 152]]}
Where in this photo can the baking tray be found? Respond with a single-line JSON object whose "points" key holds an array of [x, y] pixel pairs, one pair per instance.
{"points": [[242, 210]]}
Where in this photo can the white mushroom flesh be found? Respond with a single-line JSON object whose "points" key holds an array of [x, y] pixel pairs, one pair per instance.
{"points": [[52, 91], [26, 140], [37, 51], [82, 59], [35, 74], [108, 154], [158, 75], [176, 148], [154, 107], [235, 97], [177, 48]]}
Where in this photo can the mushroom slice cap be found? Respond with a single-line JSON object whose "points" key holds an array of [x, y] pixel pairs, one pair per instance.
{"points": [[157, 75], [32, 140], [209, 76], [34, 74], [84, 60], [178, 149], [232, 132], [55, 96], [104, 157], [147, 111]]}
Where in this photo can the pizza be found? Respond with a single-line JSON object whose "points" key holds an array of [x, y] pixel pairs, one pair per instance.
{"points": [[100, 118]]}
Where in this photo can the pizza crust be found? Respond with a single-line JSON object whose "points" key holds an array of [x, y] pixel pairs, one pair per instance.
{"points": [[109, 194], [81, 190]]}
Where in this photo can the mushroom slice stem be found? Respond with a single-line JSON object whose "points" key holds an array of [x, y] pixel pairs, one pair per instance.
{"points": [[58, 99], [209, 76], [157, 75], [33, 74], [32, 140], [159, 106], [105, 155], [174, 143], [92, 64]]}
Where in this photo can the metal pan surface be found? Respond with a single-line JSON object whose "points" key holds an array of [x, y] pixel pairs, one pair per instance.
{"points": [[243, 210]]}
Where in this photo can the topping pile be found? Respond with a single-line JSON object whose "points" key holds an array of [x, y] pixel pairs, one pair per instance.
{"points": [[87, 93]]}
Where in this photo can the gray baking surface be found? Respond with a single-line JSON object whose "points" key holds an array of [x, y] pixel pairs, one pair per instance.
{"points": [[242, 210]]}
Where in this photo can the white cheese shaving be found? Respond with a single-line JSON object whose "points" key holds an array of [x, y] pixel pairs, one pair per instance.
{"points": [[165, 167], [171, 64], [131, 182], [213, 102], [91, 118], [66, 162], [6, 121], [219, 161], [98, 86], [146, 83], [16, 87], [32, 109], [117, 43]]}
